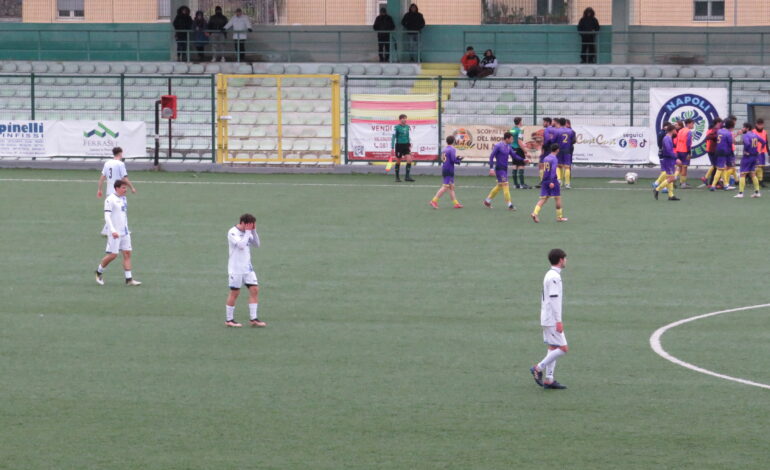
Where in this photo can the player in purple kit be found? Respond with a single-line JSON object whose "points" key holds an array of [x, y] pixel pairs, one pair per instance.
{"points": [[565, 137], [448, 173], [550, 186], [725, 151], [546, 145], [668, 162], [498, 166], [752, 143]]}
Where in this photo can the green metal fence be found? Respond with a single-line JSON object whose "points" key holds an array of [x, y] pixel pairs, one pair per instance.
{"points": [[120, 98]]}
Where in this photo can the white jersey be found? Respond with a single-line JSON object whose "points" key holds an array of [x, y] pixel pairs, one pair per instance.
{"points": [[113, 170], [550, 307], [116, 214], [240, 243]]}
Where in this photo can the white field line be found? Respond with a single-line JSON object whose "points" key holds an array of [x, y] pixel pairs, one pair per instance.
{"points": [[656, 346], [285, 183]]}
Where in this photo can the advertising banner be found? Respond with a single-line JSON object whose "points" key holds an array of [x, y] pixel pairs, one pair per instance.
{"points": [[702, 105], [72, 138], [619, 145]]}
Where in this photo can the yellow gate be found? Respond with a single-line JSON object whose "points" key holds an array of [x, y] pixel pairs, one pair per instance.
{"points": [[278, 119]]}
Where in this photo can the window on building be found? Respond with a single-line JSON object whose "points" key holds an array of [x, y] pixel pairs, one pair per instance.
{"points": [[164, 9], [709, 10], [10, 10], [71, 8]]}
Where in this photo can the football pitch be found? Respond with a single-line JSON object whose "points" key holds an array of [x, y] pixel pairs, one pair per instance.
{"points": [[399, 337]]}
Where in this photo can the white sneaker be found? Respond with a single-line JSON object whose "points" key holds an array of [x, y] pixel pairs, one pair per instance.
{"points": [[738, 196], [729, 188], [132, 282], [567, 186], [757, 194], [99, 278]]}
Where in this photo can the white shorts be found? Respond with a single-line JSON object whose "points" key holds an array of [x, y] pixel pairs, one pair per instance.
{"points": [[116, 245], [551, 337], [237, 280]]}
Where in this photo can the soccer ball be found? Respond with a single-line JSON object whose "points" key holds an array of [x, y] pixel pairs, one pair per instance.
{"points": [[631, 177]]}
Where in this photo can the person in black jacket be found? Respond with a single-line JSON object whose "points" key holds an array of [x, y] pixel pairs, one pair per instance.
{"points": [[183, 25], [217, 23], [587, 26], [384, 22], [413, 22]]}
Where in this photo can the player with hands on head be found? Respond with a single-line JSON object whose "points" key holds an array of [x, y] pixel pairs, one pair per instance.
{"points": [[240, 239]]}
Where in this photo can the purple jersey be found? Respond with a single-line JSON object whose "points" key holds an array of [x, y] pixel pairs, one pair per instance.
{"points": [[668, 148], [565, 137], [450, 160], [550, 163], [751, 144], [724, 143], [498, 159]]}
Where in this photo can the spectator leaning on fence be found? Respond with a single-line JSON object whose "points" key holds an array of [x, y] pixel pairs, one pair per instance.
{"points": [[200, 36], [470, 62], [183, 25], [488, 64], [413, 22], [217, 23], [588, 26], [241, 25], [384, 22]]}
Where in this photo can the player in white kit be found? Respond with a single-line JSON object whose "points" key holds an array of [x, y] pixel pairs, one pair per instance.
{"points": [[551, 322], [112, 171], [240, 239], [119, 239]]}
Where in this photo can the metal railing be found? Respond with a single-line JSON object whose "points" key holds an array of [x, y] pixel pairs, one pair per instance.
{"points": [[120, 98], [680, 47]]}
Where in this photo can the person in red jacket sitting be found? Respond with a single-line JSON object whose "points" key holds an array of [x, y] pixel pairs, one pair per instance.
{"points": [[470, 63]]}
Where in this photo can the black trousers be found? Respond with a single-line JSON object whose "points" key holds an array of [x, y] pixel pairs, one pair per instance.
{"points": [[588, 49], [383, 47], [240, 50]]}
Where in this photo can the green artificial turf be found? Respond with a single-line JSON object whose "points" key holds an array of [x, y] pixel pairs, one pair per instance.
{"points": [[399, 337]]}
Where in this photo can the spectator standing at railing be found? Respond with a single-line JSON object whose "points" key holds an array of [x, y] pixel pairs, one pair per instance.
{"points": [[217, 23], [200, 36], [241, 25], [413, 22], [183, 25], [588, 26], [384, 22]]}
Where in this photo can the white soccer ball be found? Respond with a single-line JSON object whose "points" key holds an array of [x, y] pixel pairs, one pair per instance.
{"points": [[631, 177]]}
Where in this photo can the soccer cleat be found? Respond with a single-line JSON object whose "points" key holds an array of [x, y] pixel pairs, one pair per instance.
{"points": [[554, 386], [729, 187], [712, 188], [685, 186], [538, 186], [398, 180], [738, 196], [674, 198], [526, 186], [99, 278], [701, 186], [257, 323], [561, 219], [655, 193], [458, 206], [409, 179], [756, 194], [488, 203], [511, 207], [132, 282], [568, 186], [534, 217], [518, 186], [434, 204], [233, 324], [537, 375]]}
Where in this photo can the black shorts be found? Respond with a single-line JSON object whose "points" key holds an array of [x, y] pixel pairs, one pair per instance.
{"points": [[403, 150], [520, 153]]}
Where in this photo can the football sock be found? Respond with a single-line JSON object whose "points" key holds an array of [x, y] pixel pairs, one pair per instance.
{"points": [[507, 193], [730, 173], [253, 311], [537, 209], [550, 357], [435, 199], [661, 178], [455, 201], [493, 193], [560, 174], [742, 184], [710, 173], [521, 177], [398, 168], [549, 370], [408, 169], [717, 176], [760, 172], [560, 213], [99, 269], [755, 180], [229, 312], [568, 175], [682, 179], [541, 174], [670, 190], [128, 274]]}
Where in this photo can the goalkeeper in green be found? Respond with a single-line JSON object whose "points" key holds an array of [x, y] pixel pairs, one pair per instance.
{"points": [[402, 146]]}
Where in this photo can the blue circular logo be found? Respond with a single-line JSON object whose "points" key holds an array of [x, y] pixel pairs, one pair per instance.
{"points": [[689, 106], [623, 143]]}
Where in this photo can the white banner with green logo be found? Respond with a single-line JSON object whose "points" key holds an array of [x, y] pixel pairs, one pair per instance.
{"points": [[39, 139]]}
